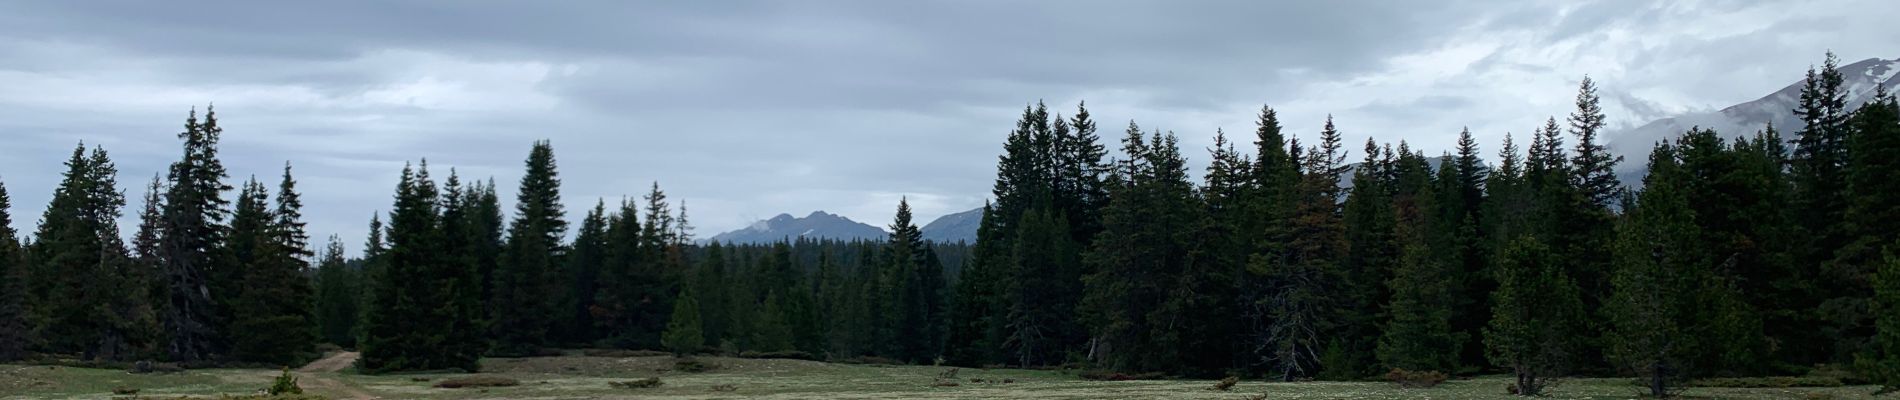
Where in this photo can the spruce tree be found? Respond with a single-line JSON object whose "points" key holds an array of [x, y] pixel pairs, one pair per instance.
{"points": [[1138, 258], [273, 310], [582, 273], [683, 334], [412, 321], [1043, 291], [1651, 299], [468, 240], [1371, 254], [339, 296], [1873, 209], [85, 300], [1425, 288], [192, 245], [524, 279], [1536, 314], [1881, 362], [14, 331], [1303, 278]]}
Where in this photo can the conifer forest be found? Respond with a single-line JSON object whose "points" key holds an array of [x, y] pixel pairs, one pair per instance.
{"points": [[1293, 256]]}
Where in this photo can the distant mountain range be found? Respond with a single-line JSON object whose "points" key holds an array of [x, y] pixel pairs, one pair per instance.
{"points": [[1633, 144], [822, 225], [958, 227], [1858, 79], [818, 224]]}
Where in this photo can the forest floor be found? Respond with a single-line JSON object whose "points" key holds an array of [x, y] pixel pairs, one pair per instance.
{"points": [[576, 377]]}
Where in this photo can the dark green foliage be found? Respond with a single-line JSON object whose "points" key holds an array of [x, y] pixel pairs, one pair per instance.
{"points": [[415, 320], [1303, 277], [525, 279], [1138, 257], [683, 334], [1420, 334], [274, 322], [1536, 314], [284, 384], [88, 295], [339, 296], [192, 243], [1881, 362], [582, 271], [13, 325]]}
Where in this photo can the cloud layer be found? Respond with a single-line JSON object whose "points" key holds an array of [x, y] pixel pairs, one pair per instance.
{"points": [[748, 110]]}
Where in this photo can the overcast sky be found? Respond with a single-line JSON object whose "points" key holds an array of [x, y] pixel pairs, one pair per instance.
{"points": [[750, 109]]}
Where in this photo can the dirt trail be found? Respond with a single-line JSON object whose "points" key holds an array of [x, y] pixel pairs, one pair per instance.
{"points": [[307, 376]]}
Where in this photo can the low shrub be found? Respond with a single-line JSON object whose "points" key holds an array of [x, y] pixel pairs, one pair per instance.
{"points": [[869, 360], [1769, 382], [1103, 375], [477, 382], [1227, 383], [949, 373], [637, 384], [125, 390], [1416, 379], [945, 383], [789, 355], [725, 387], [285, 384], [623, 353], [694, 365]]}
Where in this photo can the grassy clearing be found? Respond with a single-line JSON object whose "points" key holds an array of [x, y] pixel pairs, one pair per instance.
{"points": [[591, 377]]}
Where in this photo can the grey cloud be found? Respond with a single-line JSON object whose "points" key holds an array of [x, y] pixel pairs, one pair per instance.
{"points": [[753, 108]]}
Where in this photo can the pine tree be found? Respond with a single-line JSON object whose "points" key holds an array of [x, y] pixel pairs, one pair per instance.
{"points": [[14, 331], [1044, 290], [193, 242], [1203, 299], [339, 295], [583, 272], [1650, 303], [1371, 254], [1536, 313], [1139, 256], [683, 334], [974, 332], [1267, 211], [1873, 208], [273, 310], [773, 331], [621, 277], [1303, 278], [1425, 287], [85, 302], [1881, 363], [412, 321], [524, 279], [468, 242], [1819, 202]]}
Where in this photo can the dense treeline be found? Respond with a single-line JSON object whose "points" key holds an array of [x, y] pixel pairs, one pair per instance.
{"points": [[1740, 255]]}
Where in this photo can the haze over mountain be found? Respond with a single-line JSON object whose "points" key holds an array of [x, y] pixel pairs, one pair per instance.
{"points": [[1634, 144]]}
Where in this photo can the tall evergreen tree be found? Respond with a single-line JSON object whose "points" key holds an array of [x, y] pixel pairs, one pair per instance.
{"points": [[86, 301], [14, 332], [339, 295], [583, 272], [1139, 256], [1371, 254], [412, 321], [273, 310], [192, 244], [524, 279], [1425, 288], [1881, 362], [1536, 314], [1303, 278]]}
